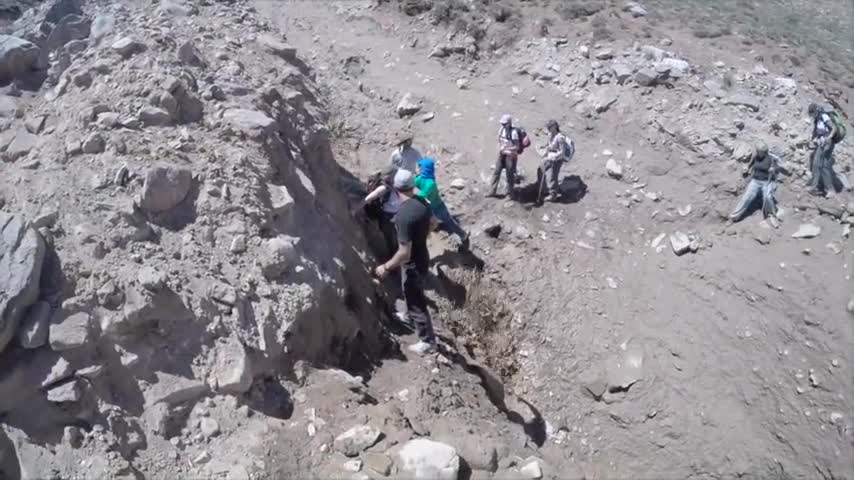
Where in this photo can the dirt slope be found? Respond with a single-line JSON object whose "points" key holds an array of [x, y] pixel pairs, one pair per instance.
{"points": [[729, 336]]}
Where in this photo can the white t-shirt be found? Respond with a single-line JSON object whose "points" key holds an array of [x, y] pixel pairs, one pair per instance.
{"points": [[823, 125], [560, 147], [406, 159], [508, 143]]}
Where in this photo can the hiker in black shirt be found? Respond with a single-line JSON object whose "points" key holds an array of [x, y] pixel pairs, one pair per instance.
{"points": [[413, 226], [762, 183]]}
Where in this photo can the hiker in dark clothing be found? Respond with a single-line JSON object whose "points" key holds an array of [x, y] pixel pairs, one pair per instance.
{"points": [[386, 201], [413, 226], [823, 134], [762, 182]]}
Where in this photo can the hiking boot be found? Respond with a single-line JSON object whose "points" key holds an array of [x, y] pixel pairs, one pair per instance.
{"points": [[422, 348], [772, 220], [490, 194], [551, 198]]}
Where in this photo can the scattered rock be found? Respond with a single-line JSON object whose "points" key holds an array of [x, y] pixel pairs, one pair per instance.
{"points": [[602, 100], [177, 8], [277, 47], [102, 25], [763, 237], [742, 152], [427, 117], [743, 100], [492, 229], [653, 53], [17, 56], [408, 106], [615, 170], [70, 333], [807, 230], [463, 83], [646, 77], [622, 72], [673, 67], [22, 253], [72, 436], [357, 439], [67, 392], [164, 188], [23, 143], [680, 243], [635, 9], [209, 427], [378, 462], [250, 120], [232, 371], [94, 143], [532, 470], [238, 244], [128, 47], [352, 465], [34, 327], [422, 458], [458, 184], [35, 123], [605, 54], [189, 55], [785, 87], [151, 279], [153, 117]]}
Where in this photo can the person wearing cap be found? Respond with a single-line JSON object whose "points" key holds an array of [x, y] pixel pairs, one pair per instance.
{"points": [[404, 155], [763, 172], [425, 182], [824, 130], [413, 226], [559, 150], [508, 155]]}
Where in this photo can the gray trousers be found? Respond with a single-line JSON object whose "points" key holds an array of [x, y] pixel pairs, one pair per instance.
{"points": [[755, 188], [823, 175], [506, 161], [549, 170]]}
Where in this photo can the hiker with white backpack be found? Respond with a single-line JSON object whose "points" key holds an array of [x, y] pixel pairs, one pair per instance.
{"points": [[827, 131], [512, 142], [560, 149]]}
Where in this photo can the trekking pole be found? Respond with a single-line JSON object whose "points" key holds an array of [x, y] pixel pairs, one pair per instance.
{"points": [[542, 183]]}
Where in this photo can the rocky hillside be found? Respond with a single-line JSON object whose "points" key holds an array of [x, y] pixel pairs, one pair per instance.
{"points": [[173, 234]]}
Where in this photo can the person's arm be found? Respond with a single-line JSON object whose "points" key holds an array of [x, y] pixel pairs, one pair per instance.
{"points": [[401, 256], [832, 125], [377, 193]]}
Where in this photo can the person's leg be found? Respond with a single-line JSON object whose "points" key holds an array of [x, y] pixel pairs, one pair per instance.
{"points": [[769, 203], [448, 223], [829, 174], [389, 233], [511, 174], [496, 174], [753, 189], [554, 184], [815, 160], [416, 306]]}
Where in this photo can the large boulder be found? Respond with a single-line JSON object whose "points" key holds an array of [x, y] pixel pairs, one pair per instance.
{"points": [[249, 120], [17, 56], [164, 188], [422, 458], [22, 252], [71, 27], [232, 372], [62, 8], [72, 332], [408, 106], [277, 47]]}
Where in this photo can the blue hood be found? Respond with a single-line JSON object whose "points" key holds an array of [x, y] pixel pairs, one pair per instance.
{"points": [[428, 168]]}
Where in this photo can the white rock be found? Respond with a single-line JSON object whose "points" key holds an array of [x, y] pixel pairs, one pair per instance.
{"points": [[127, 46], [352, 465], [785, 87], [357, 439], [458, 184], [635, 9], [67, 392], [807, 230], [408, 106], [605, 54], [657, 241], [277, 47], [532, 470], [426, 459], [646, 77], [72, 332], [615, 170], [232, 371], [584, 50], [209, 427], [251, 120], [94, 143], [463, 83], [653, 53], [742, 152], [674, 67], [680, 243]]}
